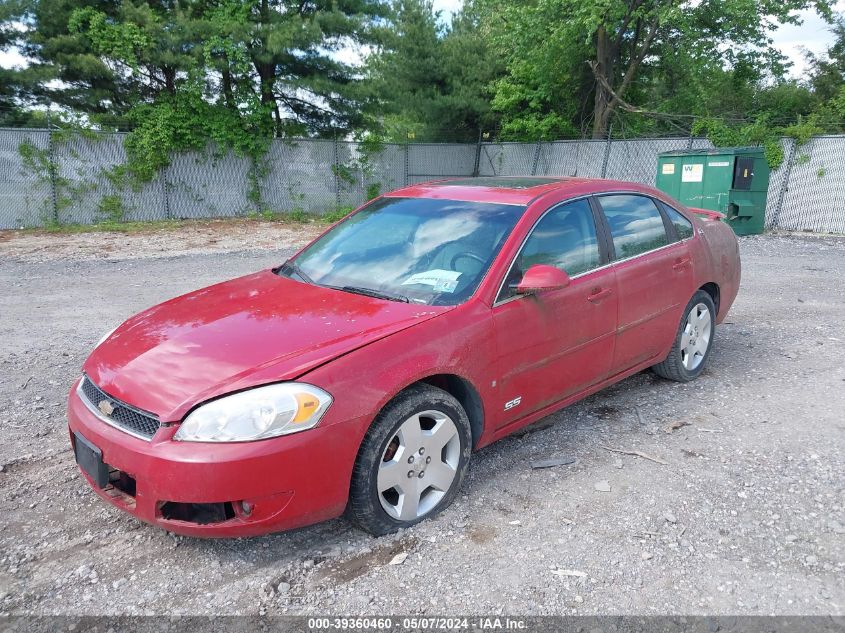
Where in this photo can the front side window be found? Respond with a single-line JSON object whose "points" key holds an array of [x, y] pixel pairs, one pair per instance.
{"points": [[683, 227], [564, 238], [636, 225], [409, 249]]}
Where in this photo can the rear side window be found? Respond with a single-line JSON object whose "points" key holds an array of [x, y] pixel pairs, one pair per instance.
{"points": [[681, 224], [636, 225]]}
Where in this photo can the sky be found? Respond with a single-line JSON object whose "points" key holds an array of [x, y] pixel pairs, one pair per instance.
{"points": [[813, 34]]}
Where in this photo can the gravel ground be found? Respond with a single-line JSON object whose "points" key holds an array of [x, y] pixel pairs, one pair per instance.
{"points": [[747, 516]]}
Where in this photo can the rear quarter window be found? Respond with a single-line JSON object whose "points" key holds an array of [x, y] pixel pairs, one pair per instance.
{"points": [[681, 224]]}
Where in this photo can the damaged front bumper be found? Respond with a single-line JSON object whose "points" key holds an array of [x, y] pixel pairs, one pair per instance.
{"points": [[216, 489]]}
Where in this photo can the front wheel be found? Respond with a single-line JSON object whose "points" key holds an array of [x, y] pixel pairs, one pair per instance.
{"points": [[693, 341], [412, 461]]}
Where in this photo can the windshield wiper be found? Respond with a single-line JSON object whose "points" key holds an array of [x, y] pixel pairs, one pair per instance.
{"points": [[294, 267], [369, 292]]}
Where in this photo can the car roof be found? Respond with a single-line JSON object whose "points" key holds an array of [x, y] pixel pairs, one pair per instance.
{"points": [[517, 190]]}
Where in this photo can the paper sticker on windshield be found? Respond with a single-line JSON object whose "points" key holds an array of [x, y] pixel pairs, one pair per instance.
{"points": [[446, 285], [433, 278]]}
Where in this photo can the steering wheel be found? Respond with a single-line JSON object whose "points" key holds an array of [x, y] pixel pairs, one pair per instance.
{"points": [[465, 255]]}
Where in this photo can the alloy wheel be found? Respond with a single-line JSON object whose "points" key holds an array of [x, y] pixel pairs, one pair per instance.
{"points": [[695, 338], [418, 465]]}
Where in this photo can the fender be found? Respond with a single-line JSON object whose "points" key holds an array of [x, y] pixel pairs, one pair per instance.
{"points": [[437, 350]]}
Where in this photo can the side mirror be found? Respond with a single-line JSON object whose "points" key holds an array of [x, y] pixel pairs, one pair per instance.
{"points": [[541, 277]]}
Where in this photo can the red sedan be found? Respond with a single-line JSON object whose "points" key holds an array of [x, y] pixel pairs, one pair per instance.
{"points": [[361, 374]]}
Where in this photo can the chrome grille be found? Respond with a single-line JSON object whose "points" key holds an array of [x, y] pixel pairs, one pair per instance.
{"points": [[123, 416]]}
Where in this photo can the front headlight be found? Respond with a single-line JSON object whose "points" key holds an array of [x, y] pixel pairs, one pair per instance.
{"points": [[256, 414]]}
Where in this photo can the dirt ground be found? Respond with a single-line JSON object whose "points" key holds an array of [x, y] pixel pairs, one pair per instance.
{"points": [[199, 238], [747, 516]]}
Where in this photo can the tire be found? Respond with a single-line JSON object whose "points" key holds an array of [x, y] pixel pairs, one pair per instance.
{"points": [[691, 348], [394, 484]]}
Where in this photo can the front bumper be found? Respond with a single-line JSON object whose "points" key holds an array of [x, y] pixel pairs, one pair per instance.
{"points": [[287, 482]]}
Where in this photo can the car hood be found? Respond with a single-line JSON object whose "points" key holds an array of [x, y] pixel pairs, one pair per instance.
{"points": [[241, 333]]}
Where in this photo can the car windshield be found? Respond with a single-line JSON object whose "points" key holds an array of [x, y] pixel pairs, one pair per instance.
{"points": [[409, 249]]}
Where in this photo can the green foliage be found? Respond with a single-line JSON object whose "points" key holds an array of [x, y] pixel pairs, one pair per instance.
{"points": [[429, 82], [189, 123], [178, 75], [577, 65], [18, 86], [297, 215], [373, 191], [758, 133], [258, 169], [111, 208], [344, 173], [37, 161], [126, 41], [238, 72], [370, 144], [152, 226], [363, 166], [803, 130], [338, 214], [40, 163], [369, 149], [67, 192], [106, 225]]}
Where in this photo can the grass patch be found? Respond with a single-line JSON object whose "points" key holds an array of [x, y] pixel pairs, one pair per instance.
{"points": [[331, 217], [295, 217], [113, 227]]}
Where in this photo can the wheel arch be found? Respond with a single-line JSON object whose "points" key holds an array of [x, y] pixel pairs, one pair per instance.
{"points": [[713, 290], [362, 500], [466, 394]]}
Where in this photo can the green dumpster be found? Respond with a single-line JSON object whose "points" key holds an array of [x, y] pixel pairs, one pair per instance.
{"points": [[733, 181]]}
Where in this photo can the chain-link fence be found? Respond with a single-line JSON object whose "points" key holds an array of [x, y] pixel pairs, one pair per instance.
{"points": [[50, 177]]}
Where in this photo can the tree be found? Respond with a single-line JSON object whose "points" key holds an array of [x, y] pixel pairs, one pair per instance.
{"points": [[111, 57], [15, 83], [622, 43], [431, 81], [406, 75], [543, 95], [828, 71], [292, 45], [827, 78]]}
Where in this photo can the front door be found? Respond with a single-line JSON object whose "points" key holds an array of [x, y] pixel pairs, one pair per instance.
{"points": [[556, 343]]}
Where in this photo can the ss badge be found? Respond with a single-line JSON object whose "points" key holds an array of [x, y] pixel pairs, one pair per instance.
{"points": [[510, 404]]}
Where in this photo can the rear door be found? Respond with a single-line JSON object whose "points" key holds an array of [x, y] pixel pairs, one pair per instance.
{"points": [[654, 275], [556, 343]]}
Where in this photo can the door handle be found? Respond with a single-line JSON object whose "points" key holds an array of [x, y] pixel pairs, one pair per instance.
{"points": [[598, 295], [681, 263]]}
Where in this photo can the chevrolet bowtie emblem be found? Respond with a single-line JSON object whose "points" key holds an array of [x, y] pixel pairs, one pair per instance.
{"points": [[106, 407]]}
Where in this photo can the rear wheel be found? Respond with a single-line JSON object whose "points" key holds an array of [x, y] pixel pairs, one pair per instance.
{"points": [[693, 341], [412, 461]]}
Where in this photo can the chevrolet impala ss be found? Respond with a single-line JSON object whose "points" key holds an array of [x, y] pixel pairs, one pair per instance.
{"points": [[360, 375]]}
